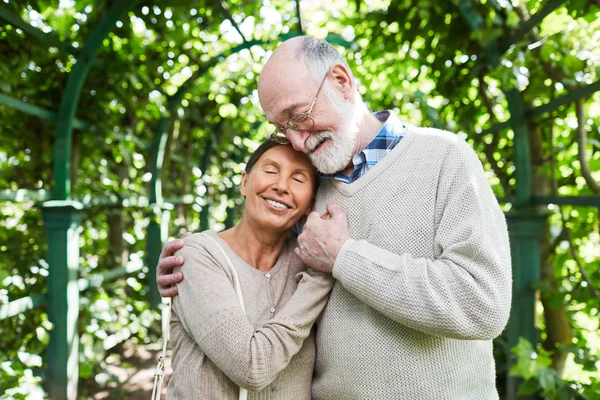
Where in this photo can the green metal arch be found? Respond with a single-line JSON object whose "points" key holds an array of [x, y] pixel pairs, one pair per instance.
{"points": [[70, 99]]}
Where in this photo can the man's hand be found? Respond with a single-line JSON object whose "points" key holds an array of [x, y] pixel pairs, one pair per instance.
{"points": [[165, 277], [322, 237]]}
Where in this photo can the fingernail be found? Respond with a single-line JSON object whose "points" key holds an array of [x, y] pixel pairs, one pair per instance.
{"points": [[180, 260]]}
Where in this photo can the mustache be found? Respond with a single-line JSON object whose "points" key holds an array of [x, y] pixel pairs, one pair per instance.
{"points": [[316, 139]]}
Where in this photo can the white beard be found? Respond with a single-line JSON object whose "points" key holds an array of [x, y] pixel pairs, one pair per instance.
{"points": [[339, 149]]}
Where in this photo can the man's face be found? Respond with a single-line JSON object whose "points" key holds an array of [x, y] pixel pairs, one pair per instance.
{"points": [[331, 149], [330, 141]]}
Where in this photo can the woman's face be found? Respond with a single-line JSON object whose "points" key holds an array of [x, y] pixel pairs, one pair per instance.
{"points": [[279, 189]]}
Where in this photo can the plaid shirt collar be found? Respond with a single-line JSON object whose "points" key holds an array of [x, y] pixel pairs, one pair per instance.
{"points": [[392, 131]]}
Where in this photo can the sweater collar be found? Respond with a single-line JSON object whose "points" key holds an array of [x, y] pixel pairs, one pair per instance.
{"points": [[392, 131]]}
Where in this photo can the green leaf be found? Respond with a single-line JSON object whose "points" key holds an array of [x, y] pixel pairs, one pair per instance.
{"points": [[85, 370], [528, 387]]}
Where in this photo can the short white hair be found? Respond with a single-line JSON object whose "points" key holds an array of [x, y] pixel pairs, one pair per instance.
{"points": [[319, 56]]}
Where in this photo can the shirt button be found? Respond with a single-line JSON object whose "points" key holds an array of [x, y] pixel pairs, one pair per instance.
{"points": [[274, 390], [271, 310], [268, 276]]}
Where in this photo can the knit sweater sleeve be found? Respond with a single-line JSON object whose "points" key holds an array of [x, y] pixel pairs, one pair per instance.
{"points": [[464, 292], [210, 312]]}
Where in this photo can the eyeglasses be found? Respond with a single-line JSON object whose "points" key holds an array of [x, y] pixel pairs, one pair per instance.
{"points": [[300, 121]]}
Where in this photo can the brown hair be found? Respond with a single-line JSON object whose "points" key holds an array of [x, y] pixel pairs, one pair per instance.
{"points": [[266, 146]]}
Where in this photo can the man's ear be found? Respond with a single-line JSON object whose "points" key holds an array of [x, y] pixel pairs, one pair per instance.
{"points": [[343, 80], [244, 184]]}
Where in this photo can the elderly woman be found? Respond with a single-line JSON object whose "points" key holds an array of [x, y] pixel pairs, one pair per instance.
{"points": [[268, 348]]}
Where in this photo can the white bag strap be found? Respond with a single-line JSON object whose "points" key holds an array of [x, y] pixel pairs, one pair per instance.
{"points": [[159, 372], [238, 291]]}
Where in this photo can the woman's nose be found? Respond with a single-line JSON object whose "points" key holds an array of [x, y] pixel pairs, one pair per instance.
{"points": [[281, 185]]}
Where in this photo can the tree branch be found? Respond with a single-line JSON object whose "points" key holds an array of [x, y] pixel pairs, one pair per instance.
{"points": [[567, 180], [550, 249], [581, 142], [559, 149], [492, 147], [229, 16], [299, 14], [582, 271]]}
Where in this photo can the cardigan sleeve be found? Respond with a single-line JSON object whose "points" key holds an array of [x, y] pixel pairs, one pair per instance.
{"points": [[209, 311], [464, 292]]}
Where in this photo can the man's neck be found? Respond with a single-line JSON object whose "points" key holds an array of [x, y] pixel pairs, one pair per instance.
{"points": [[368, 128]]}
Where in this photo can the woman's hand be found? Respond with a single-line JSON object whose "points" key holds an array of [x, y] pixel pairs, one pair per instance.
{"points": [[165, 278]]}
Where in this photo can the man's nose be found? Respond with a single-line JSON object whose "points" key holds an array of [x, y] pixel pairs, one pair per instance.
{"points": [[297, 138]]}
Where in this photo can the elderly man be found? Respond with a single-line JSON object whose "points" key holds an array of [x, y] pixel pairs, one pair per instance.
{"points": [[416, 240]]}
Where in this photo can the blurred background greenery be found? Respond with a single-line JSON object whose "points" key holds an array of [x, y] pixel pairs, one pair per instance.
{"points": [[446, 64]]}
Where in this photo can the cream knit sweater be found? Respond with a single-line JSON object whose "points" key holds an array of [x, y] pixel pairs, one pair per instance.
{"points": [[424, 285], [217, 348]]}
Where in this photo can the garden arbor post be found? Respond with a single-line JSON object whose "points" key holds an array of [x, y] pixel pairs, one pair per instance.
{"points": [[526, 225], [61, 220]]}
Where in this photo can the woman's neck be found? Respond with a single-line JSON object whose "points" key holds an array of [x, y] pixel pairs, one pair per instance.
{"points": [[259, 248]]}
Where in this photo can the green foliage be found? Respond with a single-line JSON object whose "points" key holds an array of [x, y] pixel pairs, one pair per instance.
{"points": [[534, 366], [436, 63]]}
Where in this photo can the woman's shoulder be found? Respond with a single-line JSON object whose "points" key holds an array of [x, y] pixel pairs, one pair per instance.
{"points": [[204, 248], [202, 240]]}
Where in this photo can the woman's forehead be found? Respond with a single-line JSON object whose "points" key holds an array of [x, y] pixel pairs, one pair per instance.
{"points": [[286, 154]]}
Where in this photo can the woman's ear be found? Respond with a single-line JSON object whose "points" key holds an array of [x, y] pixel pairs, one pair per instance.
{"points": [[244, 183]]}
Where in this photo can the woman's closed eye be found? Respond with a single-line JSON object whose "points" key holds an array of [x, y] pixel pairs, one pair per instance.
{"points": [[299, 178]]}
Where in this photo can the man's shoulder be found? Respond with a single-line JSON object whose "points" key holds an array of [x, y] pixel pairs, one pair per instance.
{"points": [[430, 133], [440, 138]]}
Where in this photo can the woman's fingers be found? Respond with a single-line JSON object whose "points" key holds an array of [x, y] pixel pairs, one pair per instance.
{"points": [[165, 278], [171, 291], [170, 248]]}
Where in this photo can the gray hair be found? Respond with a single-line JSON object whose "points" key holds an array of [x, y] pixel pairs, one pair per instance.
{"points": [[319, 56]]}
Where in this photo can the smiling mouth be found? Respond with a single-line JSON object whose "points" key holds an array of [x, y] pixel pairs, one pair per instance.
{"points": [[319, 145], [277, 205]]}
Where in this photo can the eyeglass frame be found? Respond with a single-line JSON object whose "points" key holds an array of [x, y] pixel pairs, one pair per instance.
{"points": [[282, 138]]}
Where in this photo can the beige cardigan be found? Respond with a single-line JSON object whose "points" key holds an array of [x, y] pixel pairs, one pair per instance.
{"points": [[216, 348]]}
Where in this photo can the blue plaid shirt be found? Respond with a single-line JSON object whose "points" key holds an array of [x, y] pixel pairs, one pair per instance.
{"points": [[392, 131]]}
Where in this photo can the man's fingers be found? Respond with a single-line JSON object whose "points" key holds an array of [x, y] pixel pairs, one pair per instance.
{"points": [[168, 292], [167, 263], [165, 281], [336, 211], [313, 215], [171, 247]]}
